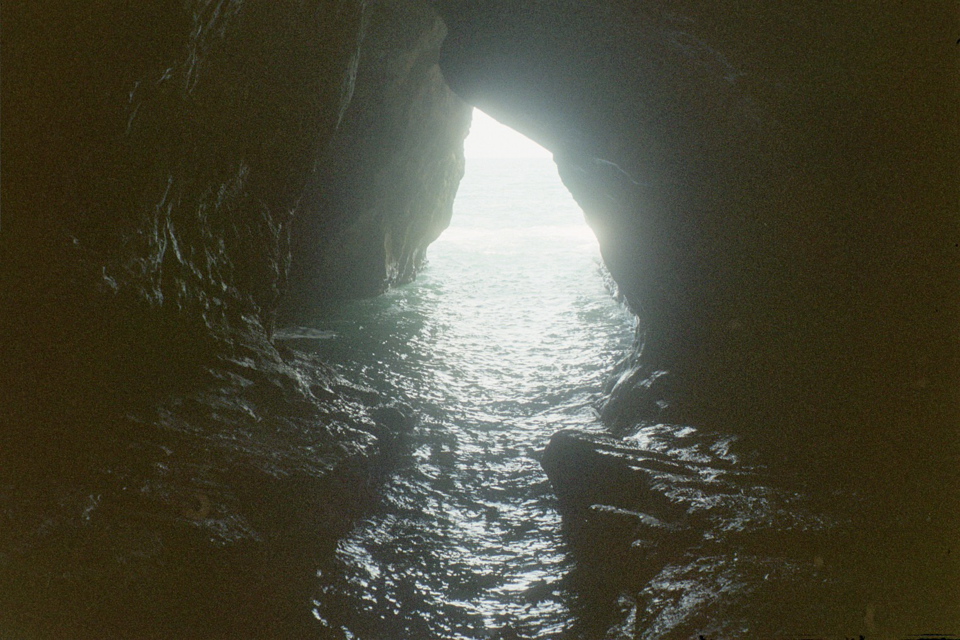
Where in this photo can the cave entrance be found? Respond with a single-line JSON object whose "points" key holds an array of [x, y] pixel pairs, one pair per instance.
{"points": [[526, 265], [506, 336]]}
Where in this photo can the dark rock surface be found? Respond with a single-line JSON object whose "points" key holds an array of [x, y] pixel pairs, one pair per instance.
{"points": [[155, 164], [677, 536], [772, 194], [385, 185], [196, 515], [164, 471], [152, 159], [157, 155]]}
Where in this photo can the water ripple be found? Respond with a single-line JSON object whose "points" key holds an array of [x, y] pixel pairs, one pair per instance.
{"points": [[506, 338]]}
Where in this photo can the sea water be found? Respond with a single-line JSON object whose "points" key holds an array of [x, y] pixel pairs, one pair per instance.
{"points": [[505, 337]]}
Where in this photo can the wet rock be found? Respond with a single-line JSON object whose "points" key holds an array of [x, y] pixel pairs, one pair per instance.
{"points": [[385, 185], [732, 549], [777, 208], [174, 151], [592, 469], [359, 393], [758, 206], [209, 518], [616, 510], [155, 238], [779, 293]]}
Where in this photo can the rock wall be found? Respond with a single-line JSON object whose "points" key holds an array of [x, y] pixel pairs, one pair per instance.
{"points": [[774, 189], [385, 186], [158, 453], [157, 163], [153, 159], [773, 195]]}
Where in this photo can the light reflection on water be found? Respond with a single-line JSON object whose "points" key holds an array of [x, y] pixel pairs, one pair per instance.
{"points": [[505, 338]]}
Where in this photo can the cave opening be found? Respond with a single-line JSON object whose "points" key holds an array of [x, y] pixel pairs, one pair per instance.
{"points": [[507, 335]]}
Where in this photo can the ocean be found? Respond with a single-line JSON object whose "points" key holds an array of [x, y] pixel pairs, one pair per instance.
{"points": [[506, 336]]}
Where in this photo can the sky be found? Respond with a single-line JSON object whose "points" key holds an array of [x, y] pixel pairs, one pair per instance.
{"points": [[490, 139]]}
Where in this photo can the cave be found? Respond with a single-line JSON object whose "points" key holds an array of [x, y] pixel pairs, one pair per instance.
{"points": [[774, 190]]}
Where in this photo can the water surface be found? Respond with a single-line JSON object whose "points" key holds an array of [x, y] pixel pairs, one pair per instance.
{"points": [[506, 337]]}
